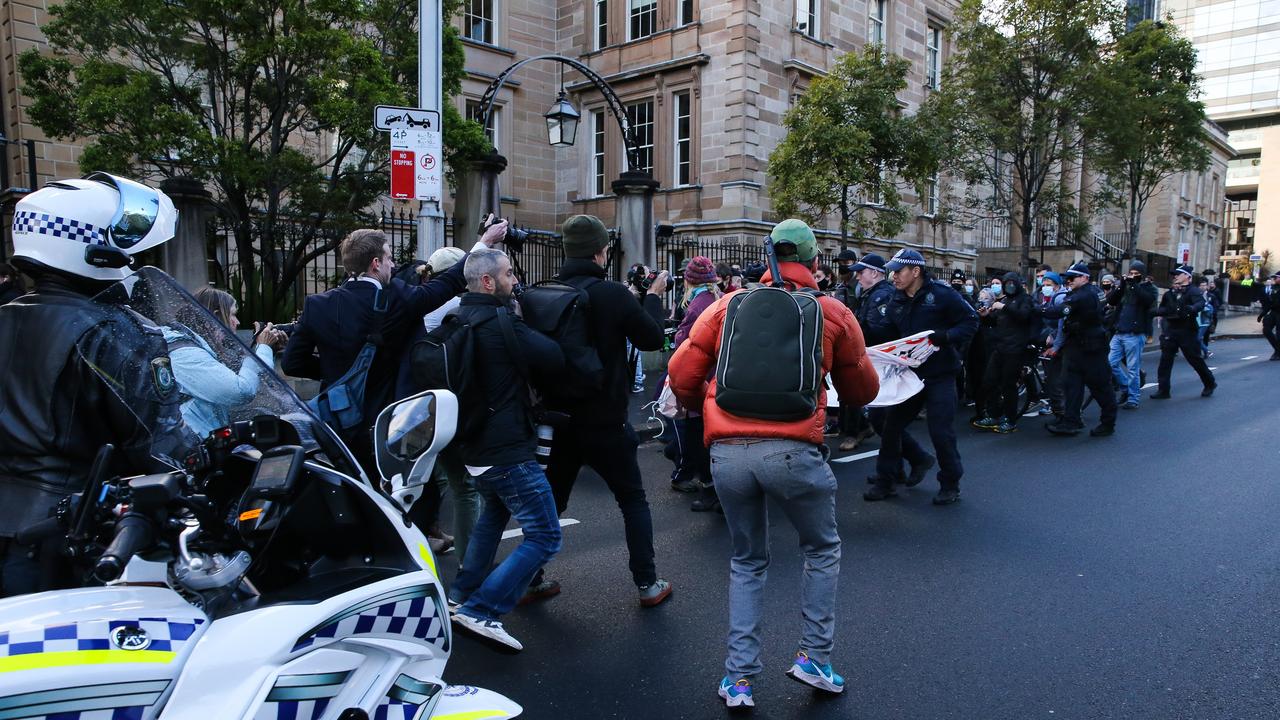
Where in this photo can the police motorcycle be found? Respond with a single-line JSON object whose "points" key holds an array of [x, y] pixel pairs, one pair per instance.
{"points": [[262, 577]]}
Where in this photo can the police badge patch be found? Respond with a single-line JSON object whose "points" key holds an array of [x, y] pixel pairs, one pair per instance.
{"points": [[928, 299], [162, 376]]}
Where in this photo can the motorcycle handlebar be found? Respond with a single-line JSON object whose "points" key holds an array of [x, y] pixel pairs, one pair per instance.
{"points": [[133, 533]]}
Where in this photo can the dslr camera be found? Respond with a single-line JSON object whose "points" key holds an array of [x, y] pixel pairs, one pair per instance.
{"points": [[514, 238], [641, 277]]}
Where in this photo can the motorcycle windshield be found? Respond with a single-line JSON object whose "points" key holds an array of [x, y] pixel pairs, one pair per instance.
{"points": [[182, 373]]}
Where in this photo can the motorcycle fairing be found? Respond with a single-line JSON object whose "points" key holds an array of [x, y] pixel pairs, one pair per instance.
{"points": [[416, 611]]}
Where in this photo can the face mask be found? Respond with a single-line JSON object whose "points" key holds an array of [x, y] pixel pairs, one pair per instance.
{"points": [[823, 284], [1047, 291], [968, 289], [996, 289]]}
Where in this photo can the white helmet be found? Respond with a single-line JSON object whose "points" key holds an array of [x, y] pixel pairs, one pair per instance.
{"points": [[90, 228]]}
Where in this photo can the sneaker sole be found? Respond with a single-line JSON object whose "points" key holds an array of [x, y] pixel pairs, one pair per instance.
{"points": [[658, 599], [818, 682], [736, 702]]}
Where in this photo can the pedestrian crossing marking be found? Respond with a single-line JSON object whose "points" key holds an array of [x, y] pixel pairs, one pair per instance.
{"points": [[859, 456], [517, 532]]}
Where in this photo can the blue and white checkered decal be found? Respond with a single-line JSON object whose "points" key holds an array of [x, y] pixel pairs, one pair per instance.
{"points": [[395, 710], [25, 221], [164, 634], [293, 710], [414, 612]]}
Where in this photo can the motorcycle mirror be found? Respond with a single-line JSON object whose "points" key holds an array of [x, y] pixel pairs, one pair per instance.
{"points": [[408, 436]]}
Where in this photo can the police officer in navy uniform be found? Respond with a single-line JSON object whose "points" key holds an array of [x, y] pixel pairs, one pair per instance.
{"points": [[1084, 356], [80, 371], [1178, 332], [922, 303], [873, 316], [1269, 315]]}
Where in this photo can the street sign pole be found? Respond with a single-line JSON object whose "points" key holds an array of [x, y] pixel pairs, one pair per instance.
{"points": [[430, 65]]}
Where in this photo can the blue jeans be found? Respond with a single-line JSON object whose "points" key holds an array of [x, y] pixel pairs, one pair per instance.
{"points": [[519, 491], [1126, 363]]}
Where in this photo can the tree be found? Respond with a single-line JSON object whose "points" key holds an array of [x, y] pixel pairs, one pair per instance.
{"points": [[1012, 99], [847, 138], [268, 102], [1146, 123]]}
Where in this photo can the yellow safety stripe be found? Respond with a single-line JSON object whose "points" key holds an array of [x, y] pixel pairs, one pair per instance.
{"points": [[471, 715], [68, 658], [428, 558]]}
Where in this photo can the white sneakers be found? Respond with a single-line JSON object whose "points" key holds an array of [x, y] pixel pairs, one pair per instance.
{"points": [[490, 630]]}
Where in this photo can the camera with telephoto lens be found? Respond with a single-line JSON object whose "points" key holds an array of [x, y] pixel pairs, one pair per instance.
{"points": [[642, 278], [513, 239]]}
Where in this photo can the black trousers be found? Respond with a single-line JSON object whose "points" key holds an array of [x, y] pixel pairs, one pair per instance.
{"points": [[1185, 341], [1053, 385], [1269, 323], [611, 452], [852, 420], [939, 398], [1000, 386], [1087, 368]]}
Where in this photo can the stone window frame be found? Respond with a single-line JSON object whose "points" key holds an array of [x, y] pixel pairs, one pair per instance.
{"points": [[598, 157], [691, 141], [493, 131], [643, 148], [933, 56]]}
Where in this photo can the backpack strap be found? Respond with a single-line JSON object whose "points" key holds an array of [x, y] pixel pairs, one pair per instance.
{"points": [[379, 319], [517, 358]]}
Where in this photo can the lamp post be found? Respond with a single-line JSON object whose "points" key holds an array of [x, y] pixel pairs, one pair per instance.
{"points": [[633, 189]]}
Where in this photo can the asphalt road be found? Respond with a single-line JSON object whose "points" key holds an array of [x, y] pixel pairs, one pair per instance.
{"points": [[1125, 577]]}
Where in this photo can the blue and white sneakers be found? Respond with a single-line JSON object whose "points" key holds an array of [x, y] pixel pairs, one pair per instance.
{"points": [[736, 694], [811, 673]]}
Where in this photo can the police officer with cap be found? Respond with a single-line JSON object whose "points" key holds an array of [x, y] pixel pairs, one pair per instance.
{"points": [[1270, 315], [922, 303], [1084, 356], [1179, 307], [80, 372]]}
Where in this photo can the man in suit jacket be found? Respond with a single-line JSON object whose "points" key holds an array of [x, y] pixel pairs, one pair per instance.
{"points": [[336, 324]]}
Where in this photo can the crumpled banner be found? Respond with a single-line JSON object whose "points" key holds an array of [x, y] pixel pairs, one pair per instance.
{"points": [[893, 362]]}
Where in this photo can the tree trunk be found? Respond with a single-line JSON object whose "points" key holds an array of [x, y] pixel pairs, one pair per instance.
{"points": [[844, 218], [1135, 219], [1027, 226]]}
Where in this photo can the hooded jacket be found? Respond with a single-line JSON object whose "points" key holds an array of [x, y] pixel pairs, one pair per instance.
{"points": [[844, 357], [1015, 323]]}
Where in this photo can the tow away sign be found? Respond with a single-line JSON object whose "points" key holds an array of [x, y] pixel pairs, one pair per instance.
{"points": [[417, 171]]}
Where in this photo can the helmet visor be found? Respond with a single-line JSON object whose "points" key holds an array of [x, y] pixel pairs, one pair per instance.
{"points": [[136, 210]]}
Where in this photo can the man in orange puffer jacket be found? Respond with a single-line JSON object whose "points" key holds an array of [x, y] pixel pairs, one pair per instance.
{"points": [[752, 459]]}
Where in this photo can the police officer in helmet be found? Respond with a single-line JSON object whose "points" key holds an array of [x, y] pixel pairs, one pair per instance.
{"points": [[79, 372], [1084, 356]]}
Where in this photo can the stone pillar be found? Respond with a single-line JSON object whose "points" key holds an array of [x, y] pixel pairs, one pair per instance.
{"points": [[186, 256], [634, 216], [478, 195]]}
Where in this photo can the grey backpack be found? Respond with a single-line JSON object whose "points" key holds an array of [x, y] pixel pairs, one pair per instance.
{"points": [[770, 363]]}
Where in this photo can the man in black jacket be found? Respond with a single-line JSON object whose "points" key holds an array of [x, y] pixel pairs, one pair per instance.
{"points": [[11, 286], [1014, 322], [1134, 301], [336, 324], [1084, 359], [500, 456], [598, 434], [1270, 314], [1179, 308]]}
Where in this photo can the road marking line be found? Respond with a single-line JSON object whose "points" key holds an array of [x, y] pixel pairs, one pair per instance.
{"points": [[1251, 357], [517, 532], [1149, 385], [1213, 368], [859, 456]]}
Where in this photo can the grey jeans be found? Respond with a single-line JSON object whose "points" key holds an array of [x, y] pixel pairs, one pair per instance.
{"points": [[466, 499], [795, 474]]}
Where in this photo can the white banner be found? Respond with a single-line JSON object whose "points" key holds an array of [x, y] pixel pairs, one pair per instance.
{"points": [[893, 362]]}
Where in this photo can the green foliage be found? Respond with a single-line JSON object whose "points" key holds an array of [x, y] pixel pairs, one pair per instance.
{"points": [[1013, 96], [1145, 122], [267, 102], [847, 138]]}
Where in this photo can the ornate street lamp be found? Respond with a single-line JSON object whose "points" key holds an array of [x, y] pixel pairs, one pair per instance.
{"points": [[562, 122]]}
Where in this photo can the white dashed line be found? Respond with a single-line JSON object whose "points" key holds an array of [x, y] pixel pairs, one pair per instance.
{"points": [[859, 456], [1149, 385], [1251, 357], [517, 532]]}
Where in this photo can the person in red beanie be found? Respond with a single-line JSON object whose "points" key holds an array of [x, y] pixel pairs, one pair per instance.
{"points": [[700, 292]]}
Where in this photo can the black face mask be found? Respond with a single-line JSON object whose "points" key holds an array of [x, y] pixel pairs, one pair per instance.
{"points": [[824, 284]]}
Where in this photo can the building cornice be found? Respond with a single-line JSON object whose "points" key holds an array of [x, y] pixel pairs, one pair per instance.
{"points": [[654, 69]]}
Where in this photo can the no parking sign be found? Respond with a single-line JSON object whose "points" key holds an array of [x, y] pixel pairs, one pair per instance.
{"points": [[417, 148]]}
